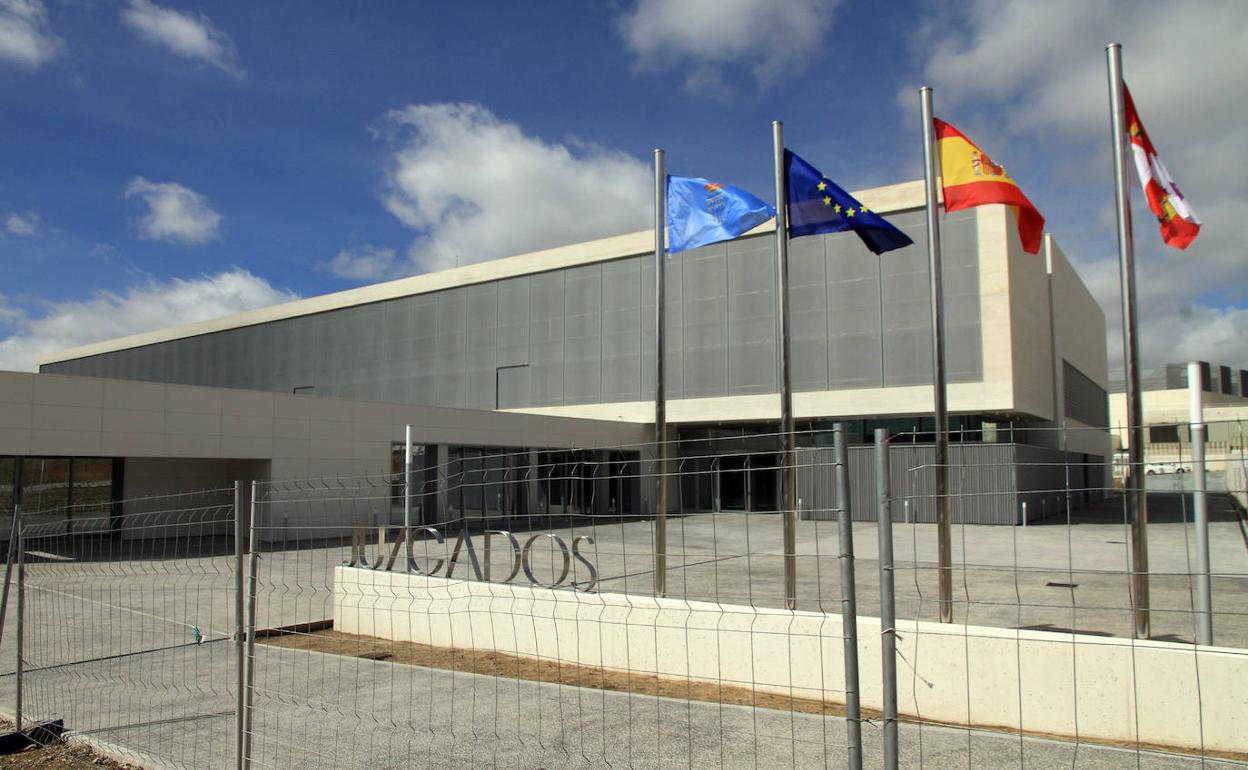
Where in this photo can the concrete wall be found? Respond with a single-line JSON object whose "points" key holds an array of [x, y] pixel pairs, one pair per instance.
{"points": [[178, 438], [1078, 341], [1063, 684]]}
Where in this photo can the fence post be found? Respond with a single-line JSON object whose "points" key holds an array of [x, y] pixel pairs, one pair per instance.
{"points": [[407, 486], [1200, 507], [14, 527], [250, 679], [21, 627], [888, 609], [239, 624], [849, 598]]}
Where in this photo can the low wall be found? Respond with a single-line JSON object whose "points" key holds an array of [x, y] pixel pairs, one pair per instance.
{"points": [[1043, 682]]}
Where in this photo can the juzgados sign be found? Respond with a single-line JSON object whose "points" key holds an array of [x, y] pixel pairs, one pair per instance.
{"points": [[388, 549]]}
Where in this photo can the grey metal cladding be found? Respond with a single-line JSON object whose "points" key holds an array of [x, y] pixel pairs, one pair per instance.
{"points": [[751, 329], [449, 348], [704, 331], [964, 352], [621, 323], [1086, 401], [808, 314], [674, 371], [988, 481], [586, 334], [481, 335], [855, 347], [546, 321], [513, 321], [906, 302], [582, 350], [906, 309], [423, 356], [513, 387]]}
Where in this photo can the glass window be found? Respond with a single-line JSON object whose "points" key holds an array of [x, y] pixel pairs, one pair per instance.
{"points": [[45, 483], [6, 485], [1163, 434], [92, 485]]}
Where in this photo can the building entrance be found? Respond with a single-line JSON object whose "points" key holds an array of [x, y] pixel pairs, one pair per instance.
{"points": [[746, 482]]}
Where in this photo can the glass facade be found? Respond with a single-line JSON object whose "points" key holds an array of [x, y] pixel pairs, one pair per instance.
{"points": [[61, 487], [503, 482]]}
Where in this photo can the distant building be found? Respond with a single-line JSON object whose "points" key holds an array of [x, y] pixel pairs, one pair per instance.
{"points": [[1166, 408]]}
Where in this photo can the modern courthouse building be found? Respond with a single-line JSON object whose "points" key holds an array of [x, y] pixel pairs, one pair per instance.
{"points": [[554, 351]]}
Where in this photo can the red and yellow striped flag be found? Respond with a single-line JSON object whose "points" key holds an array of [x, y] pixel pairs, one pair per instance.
{"points": [[971, 178]]}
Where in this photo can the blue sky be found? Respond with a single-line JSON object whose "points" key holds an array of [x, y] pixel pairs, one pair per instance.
{"points": [[170, 161]]}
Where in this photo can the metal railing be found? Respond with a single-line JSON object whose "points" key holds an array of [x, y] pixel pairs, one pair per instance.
{"points": [[298, 624]]}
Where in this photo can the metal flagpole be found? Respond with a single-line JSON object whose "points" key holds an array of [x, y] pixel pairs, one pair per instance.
{"points": [[1200, 507], [788, 481], [660, 365], [944, 513], [1137, 504]]}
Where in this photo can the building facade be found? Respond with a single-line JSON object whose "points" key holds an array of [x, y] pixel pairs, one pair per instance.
{"points": [[570, 332]]}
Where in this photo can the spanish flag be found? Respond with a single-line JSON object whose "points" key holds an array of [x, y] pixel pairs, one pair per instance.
{"points": [[971, 178]]}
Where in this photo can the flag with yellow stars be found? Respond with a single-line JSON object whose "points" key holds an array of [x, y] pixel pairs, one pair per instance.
{"points": [[816, 205]]}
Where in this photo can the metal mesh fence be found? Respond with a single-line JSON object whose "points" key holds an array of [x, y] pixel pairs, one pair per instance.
{"points": [[512, 619]]}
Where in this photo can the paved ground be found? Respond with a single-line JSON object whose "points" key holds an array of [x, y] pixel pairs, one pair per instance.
{"points": [[318, 711], [1002, 575], [110, 647]]}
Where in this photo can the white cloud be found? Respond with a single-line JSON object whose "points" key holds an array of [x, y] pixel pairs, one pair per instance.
{"points": [[368, 264], [26, 37], [21, 225], [709, 35], [1038, 71], [479, 188], [192, 36], [140, 308], [175, 213]]}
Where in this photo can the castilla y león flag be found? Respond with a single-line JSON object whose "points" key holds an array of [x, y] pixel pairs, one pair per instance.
{"points": [[971, 178], [1179, 223]]}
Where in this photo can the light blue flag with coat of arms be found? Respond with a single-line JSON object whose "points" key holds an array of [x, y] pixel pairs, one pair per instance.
{"points": [[701, 212]]}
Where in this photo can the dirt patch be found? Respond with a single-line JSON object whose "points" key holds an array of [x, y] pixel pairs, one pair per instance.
{"points": [[316, 637], [510, 666], [62, 755]]}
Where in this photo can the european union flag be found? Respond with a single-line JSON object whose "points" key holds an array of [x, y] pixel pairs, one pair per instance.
{"points": [[817, 205], [701, 212]]}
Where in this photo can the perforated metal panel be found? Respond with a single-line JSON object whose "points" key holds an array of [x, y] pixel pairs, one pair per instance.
{"points": [[586, 334], [546, 338], [481, 334], [449, 364], [704, 332], [752, 327], [621, 324], [808, 315], [582, 373], [513, 321]]}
